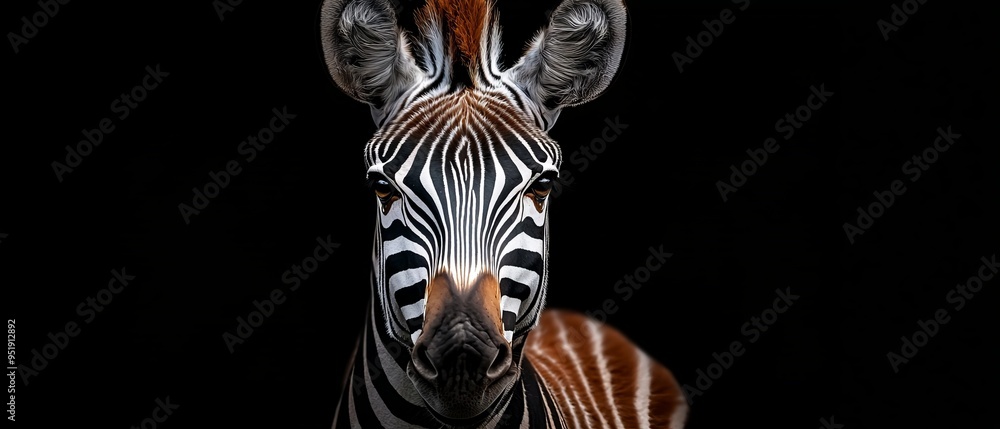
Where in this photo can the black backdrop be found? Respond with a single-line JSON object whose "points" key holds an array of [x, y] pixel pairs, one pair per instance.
{"points": [[656, 184]]}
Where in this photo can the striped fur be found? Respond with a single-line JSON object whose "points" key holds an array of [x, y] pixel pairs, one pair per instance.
{"points": [[460, 168]]}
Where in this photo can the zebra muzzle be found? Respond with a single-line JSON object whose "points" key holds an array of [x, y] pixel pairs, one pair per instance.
{"points": [[461, 362]]}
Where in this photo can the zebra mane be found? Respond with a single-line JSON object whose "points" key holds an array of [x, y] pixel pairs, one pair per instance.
{"points": [[463, 21], [468, 35]]}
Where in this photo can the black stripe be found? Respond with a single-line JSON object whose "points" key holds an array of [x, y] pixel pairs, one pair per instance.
{"points": [[395, 230], [508, 319], [397, 405], [415, 323], [514, 289], [535, 395], [437, 82], [362, 405], [526, 259], [397, 327], [410, 294], [517, 98], [402, 261], [514, 412]]}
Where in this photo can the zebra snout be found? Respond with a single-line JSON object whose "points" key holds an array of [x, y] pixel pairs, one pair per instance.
{"points": [[461, 361], [463, 338], [461, 356]]}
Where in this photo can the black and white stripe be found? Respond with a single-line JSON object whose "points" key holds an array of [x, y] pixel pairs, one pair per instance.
{"points": [[461, 163]]}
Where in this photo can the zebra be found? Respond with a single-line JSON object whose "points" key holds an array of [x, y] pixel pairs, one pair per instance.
{"points": [[462, 170]]}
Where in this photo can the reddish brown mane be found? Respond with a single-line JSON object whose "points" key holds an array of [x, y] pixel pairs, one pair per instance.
{"points": [[464, 22]]}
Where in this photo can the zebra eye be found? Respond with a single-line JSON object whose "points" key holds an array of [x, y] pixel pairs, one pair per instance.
{"points": [[385, 192], [542, 187], [540, 190], [382, 188]]}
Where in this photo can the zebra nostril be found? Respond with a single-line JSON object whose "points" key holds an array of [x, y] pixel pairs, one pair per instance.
{"points": [[422, 363], [501, 363]]}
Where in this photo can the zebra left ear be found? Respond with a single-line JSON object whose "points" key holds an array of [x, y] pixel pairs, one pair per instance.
{"points": [[573, 59], [367, 53]]}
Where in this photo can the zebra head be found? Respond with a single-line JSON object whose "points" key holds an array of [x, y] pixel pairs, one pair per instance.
{"points": [[461, 168]]}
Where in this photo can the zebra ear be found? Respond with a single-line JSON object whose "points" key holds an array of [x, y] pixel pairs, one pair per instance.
{"points": [[573, 59], [367, 53]]}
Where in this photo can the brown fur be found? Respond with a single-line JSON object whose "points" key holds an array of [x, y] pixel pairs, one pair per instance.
{"points": [[464, 22], [485, 295], [569, 384]]}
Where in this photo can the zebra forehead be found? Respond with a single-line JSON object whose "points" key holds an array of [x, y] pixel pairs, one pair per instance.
{"points": [[462, 130]]}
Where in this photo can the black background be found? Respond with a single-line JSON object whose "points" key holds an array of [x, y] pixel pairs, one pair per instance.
{"points": [[654, 185]]}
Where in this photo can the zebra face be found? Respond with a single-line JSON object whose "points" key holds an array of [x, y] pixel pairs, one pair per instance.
{"points": [[460, 171], [461, 187]]}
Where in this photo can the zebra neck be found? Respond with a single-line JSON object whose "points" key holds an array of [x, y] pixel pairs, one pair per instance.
{"points": [[380, 394]]}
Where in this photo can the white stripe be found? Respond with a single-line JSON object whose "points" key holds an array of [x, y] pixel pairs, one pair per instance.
{"points": [[679, 415], [350, 404], [567, 403], [577, 365], [643, 381], [406, 278], [413, 310], [401, 244], [602, 364], [512, 305], [526, 277]]}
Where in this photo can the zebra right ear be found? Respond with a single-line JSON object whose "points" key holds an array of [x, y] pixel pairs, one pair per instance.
{"points": [[573, 59], [367, 53]]}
